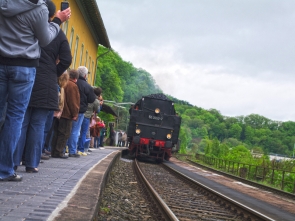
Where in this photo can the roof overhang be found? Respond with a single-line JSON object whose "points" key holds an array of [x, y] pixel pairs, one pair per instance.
{"points": [[91, 14]]}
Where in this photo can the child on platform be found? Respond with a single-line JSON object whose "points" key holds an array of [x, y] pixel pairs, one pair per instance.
{"points": [[95, 132]]}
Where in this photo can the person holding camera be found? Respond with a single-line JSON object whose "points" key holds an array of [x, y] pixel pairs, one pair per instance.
{"points": [[21, 36], [44, 99]]}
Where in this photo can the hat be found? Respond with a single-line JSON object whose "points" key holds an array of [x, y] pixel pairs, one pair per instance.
{"points": [[51, 8], [83, 71]]}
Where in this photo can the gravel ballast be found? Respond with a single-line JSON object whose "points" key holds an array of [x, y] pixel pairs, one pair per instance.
{"points": [[123, 198]]}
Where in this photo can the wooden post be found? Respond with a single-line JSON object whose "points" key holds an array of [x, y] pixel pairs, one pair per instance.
{"points": [[272, 175], [283, 178]]}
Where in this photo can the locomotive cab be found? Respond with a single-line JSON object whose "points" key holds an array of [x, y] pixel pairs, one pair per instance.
{"points": [[153, 127]]}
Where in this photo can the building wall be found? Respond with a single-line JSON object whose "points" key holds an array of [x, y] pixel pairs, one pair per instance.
{"points": [[82, 43]]}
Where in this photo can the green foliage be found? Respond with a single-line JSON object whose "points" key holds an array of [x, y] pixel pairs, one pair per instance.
{"points": [[215, 147], [184, 140], [240, 154], [235, 131], [120, 80]]}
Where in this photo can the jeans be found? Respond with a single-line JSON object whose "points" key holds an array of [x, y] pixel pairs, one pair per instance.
{"points": [[31, 139], [96, 142], [3, 115], [73, 139], [16, 85], [48, 131], [83, 132]]}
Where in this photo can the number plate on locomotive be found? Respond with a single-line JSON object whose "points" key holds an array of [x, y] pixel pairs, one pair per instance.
{"points": [[155, 117]]}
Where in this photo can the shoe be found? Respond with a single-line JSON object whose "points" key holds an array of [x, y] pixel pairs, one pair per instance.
{"points": [[89, 150], [32, 170], [14, 177], [47, 152], [74, 155], [44, 157], [62, 157], [82, 153]]}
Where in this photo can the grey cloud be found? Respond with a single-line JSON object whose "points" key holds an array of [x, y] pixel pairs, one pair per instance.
{"points": [[244, 39]]}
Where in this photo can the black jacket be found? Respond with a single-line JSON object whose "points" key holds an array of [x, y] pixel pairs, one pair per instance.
{"points": [[87, 94], [45, 89]]}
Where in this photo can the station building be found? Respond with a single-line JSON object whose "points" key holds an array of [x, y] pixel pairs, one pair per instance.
{"points": [[85, 30]]}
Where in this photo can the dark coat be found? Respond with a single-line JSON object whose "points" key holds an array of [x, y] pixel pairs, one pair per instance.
{"points": [[87, 94], [45, 90]]}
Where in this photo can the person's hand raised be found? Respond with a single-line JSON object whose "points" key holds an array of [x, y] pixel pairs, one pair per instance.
{"points": [[63, 15]]}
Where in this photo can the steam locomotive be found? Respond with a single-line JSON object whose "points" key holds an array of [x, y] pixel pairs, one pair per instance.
{"points": [[153, 128]]}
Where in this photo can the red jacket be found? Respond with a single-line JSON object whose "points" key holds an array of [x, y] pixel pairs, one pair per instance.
{"points": [[95, 130]]}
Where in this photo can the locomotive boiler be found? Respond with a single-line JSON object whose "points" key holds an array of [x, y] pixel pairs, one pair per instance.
{"points": [[153, 128]]}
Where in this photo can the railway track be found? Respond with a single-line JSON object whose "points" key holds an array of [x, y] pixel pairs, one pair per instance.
{"points": [[181, 198]]}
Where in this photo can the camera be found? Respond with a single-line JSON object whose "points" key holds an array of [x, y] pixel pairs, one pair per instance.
{"points": [[64, 5]]}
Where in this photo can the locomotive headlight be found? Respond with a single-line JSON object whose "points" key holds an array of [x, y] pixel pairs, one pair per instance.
{"points": [[169, 136], [157, 110], [137, 131]]}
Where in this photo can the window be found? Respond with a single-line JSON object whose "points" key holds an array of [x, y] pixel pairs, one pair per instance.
{"points": [[89, 63], [81, 55], [75, 52], [71, 37], [92, 68], [65, 27], [86, 59], [93, 72], [89, 69]]}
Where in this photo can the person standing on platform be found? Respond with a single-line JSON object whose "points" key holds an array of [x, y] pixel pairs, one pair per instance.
{"points": [[95, 132], [87, 95], [44, 99], [102, 134], [62, 82], [93, 108], [24, 28], [63, 126], [124, 139]]}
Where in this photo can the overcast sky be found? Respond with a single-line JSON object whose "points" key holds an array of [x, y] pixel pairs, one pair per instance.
{"points": [[236, 56]]}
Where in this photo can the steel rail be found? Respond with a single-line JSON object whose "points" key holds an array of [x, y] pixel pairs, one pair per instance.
{"points": [[156, 196], [223, 197]]}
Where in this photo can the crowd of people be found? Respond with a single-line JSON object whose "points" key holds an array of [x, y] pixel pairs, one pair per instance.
{"points": [[45, 109]]}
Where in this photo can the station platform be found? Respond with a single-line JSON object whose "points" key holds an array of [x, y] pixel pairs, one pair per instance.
{"points": [[274, 206], [63, 189]]}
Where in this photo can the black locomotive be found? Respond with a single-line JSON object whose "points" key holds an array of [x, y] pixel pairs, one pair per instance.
{"points": [[153, 128]]}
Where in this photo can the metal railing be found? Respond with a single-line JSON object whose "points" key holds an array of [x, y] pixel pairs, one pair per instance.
{"points": [[281, 179]]}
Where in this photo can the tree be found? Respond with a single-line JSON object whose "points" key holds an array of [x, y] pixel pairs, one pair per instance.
{"points": [[235, 131], [249, 134], [184, 142], [215, 147], [240, 154]]}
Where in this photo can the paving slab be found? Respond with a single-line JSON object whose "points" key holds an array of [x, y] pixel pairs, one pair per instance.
{"points": [[43, 195]]}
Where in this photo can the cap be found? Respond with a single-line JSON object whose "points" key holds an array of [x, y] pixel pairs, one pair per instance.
{"points": [[82, 70]]}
